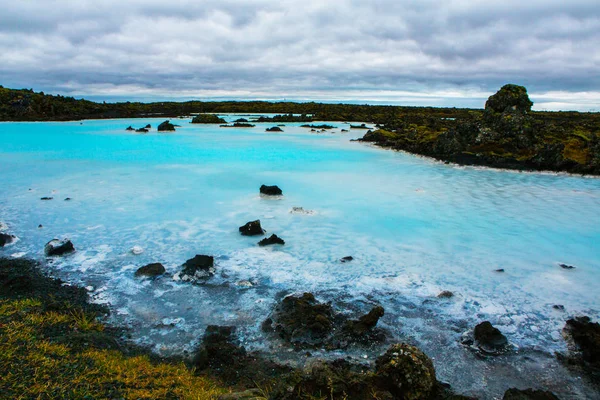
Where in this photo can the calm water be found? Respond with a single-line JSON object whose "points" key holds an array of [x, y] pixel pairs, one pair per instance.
{"points": [[415, 227]]}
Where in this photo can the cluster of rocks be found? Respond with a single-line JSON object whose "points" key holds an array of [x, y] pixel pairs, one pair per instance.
{"points": [[144, 129], [5, 238]]}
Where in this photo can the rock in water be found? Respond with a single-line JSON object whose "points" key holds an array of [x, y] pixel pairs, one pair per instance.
{"points": [[361, 328], [446, 294], [46, 198], [586, 335], [346, 259], [565, 266], [406, 372], [271, 190], [151, 270], [528, 394], [273, 239], [57, 247], [137, 250], [274, 129], [252, 228], [166, 127], [488, 337], [199, 267], [6, 239], [129, 128]]}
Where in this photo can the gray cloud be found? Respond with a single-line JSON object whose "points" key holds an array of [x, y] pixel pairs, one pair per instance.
{"points": [[450, 53]]}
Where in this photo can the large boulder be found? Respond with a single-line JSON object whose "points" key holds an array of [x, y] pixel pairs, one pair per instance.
{"points": [[274, 129], [199, 267], [406, 372], [166, 126], [509, 98], [586, 336], [6, 239], [273, 239], [57, 247], [366, 323], [151, 270], [271, 190], [208, 119], [301, 320], [528, 394], [488, 338], [252, 228]]}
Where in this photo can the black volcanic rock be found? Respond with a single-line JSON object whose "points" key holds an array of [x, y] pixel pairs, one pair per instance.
{"points": [[6, 239], [346, 259], [273, 239], [151, 270], [129, 128], [252, 228], [489, 337], [509, 98], [57, 247], [201, 266], [586, 336], [208, 119], [166, 127], [274, 129], [142, 130], [271, 190], [528, 394]]}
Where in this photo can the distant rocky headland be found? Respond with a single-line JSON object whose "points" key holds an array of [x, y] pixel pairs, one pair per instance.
{"points": [[506, 134]]}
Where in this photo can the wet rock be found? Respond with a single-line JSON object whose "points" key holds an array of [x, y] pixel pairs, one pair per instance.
{"points": [[151, 270], [68, 199], [406, 372], [499, 270], [142, 130], [166, 127], [302, 320], [129, 128], [252, 228], [274, 129], [344, 130], [199, 267], [363, 330], [300, 210], [40, 226], [559, 307], [219, 348], [148, 126], [528, 394], [488, 338], [57, 247], [446, 294], [47, 198], [565, 266], [273, 239], [271, 190], [6, 239], [586, 336], [346, 259], [208, 119], [361, 126]]}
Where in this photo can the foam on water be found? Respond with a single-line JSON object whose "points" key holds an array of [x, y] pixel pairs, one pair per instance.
{"points": [[415, 227]]}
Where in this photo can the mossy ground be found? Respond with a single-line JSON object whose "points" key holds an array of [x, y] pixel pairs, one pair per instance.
{"points": [[52, 346]]}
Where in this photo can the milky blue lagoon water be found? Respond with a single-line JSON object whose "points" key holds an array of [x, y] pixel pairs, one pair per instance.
{"points": [[415, 227]]}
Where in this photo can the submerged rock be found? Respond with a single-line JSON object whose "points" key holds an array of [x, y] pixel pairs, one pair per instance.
{"points": [[252, 228], [528, 394], [129, 128], [271, 190], [346, 259], [446, 294], [151, 270], [6, 239], [199, 267], [166, 127], [488, 338], [273, 239], [406, 372], [301, 320], [565, 266], [57, 247]]}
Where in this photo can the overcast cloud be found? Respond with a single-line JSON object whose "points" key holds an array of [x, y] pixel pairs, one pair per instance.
{"points": [[429, 52]]}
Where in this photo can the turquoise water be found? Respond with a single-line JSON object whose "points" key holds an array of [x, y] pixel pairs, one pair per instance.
{"points": [[415, 227]]}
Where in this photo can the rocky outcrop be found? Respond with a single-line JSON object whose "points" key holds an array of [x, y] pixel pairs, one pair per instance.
{"points": [[270, 190], [199, 267], [141, 130], [445, 294], [252, 228], [47, 198], [219, 348], [150, 270], [346, 259], [585, 336], [528, 394], [6, 239], [166, 126], [488, 338], [57, 247], [509, 98], [274, 129], [208, 119], [129, 128], [273, 239], [363, 329]]}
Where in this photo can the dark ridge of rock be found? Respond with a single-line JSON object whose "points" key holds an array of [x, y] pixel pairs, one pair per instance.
{"points": [[199, 267], [302, 320], [363, 329], [57, 247], [559, 307], [565, 266], [446, 294], [322, 126], [151, 270], [586, 336], [344, 130], [208, 119], [273, 239], [406, 372], [252, 228], [238, 125], [499, 270], [219, 348], [346, 259], [361, 126], [47, 198], [509, 98], [144, 130], [148, 126], [68, 199], [488, 338], [166, 126], [270, 190], [528, 394], [274, 129], [129, 128], [241, 120], [6, 239]]}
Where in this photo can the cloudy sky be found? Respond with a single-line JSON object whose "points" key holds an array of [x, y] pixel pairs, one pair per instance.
{"points": [[420, 52]]}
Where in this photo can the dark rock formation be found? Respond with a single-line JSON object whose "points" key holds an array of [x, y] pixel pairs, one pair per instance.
{"points": [[565, 266], [208, 119], [301, 320], [446, 294], [6, 239], [586, 337], [559, 307], [488, 338], [219, 348], [322, 126], [509, 98], [406, 372], [528, 394], [362, 330], [499, 270], [239, 125], [57, 247], [252, 228], [151, 270], [361, 126], [241, 120], [273, 239], [271, 190], [346, 259], [129, 128], [148, 126], [274, 129], [144, 130], [47, 198], [199, 267], [166, 127]]}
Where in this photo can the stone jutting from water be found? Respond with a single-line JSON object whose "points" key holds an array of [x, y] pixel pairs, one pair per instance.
{"points": [[273, 239], [57, 247], [252, 228], [199, 267], [271, 190], [166, 127], [6, 239], [585, 335], [489, 338], [151, 270]]}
